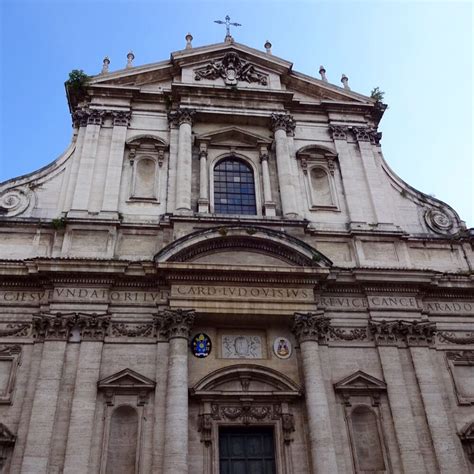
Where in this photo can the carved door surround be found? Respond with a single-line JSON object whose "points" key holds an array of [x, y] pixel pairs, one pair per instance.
{"points": [[246, 395]]}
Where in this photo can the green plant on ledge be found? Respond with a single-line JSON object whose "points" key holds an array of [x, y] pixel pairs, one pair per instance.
{"points": [[58, 223], [377, 94], [77, 82]]}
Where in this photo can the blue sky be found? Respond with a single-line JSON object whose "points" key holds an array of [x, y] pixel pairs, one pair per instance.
{"points": [[419, 53]]}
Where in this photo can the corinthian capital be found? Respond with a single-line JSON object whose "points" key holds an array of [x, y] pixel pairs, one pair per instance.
{"points": [[92, 327], [52, 326], [96, 117], [338, 132], [311, 326], [413, 333], [122, 118], [283, 122], [176, 322], [79, 118]]}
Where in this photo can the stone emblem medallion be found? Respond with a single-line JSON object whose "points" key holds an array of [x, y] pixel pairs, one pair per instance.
{"points": [[201, 345], [282, 347]]}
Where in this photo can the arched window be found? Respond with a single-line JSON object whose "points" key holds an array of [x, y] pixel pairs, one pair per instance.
{"points": [[123, 440], [234, 188]]}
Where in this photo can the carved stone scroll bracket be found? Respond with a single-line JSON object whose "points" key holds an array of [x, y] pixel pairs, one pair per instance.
{"points": [[7, 441], [63, 326], [171, 323], [311, 327]]}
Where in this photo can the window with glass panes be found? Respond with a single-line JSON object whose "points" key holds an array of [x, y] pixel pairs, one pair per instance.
{"points": [[234, 188]]}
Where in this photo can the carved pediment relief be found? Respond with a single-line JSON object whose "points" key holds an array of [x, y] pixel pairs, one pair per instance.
{"points": [[232, 69]]}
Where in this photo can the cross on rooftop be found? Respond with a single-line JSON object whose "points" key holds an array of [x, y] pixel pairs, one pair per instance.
{"points": [[227, 24]]}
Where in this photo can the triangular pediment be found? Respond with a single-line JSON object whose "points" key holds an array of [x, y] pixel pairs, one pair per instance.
{"points": [[360, 382], [233, 136], [217, 66], [126, 379]]}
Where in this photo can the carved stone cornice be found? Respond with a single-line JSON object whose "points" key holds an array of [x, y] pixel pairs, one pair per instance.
{"points": [[172, 323], [413, 333], [121, 118], [58, 326], [311, 327], [282, 122], [338, 132]]}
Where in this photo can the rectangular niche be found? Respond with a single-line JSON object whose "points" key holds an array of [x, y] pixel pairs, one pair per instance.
{"points": [[242, 345], [461, 368]]}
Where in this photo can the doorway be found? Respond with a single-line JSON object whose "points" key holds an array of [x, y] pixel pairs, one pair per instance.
{"points": [[246, 450]]}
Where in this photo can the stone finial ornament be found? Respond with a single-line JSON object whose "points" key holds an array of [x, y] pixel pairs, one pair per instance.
{"points": [[345, 82], [105, 65], [189, 38], [130, 58], [322, 71], [268, 47]]}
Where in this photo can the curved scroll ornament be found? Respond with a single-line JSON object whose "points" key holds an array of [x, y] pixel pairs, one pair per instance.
{"points": [[438, 221], [456, 339], [14, 201]]}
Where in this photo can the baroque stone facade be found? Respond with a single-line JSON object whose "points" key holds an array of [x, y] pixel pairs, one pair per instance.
{"points": [[222, 258]]}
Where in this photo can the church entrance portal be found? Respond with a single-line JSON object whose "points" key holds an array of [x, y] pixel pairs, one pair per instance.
{"points": [[246, 450]]}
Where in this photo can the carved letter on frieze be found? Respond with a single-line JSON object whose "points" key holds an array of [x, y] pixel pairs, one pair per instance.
{"points": [[175, 322], [311, 327]]}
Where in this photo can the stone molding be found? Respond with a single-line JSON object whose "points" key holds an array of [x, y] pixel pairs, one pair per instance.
{"points": [[58, 326], [182, 115], [173, 323], [282, 122], [12, 354], [360, 384], [232, 69], [311, 327], [413, 333]]}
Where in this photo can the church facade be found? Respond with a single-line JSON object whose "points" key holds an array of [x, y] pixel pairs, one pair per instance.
{"points": [[221, 274]]}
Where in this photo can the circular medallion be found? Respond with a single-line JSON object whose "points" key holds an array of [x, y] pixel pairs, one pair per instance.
{"points": [[201, 345], [282, 347], [14, 201]]}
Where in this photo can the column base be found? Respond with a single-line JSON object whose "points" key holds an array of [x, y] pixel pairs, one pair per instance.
{"points": [[203, 206]]}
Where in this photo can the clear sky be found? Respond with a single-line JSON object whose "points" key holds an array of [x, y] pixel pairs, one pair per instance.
{"points": [[419, 53]]}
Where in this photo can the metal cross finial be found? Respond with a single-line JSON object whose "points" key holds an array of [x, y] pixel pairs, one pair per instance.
{"points": [[227, 24]]}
